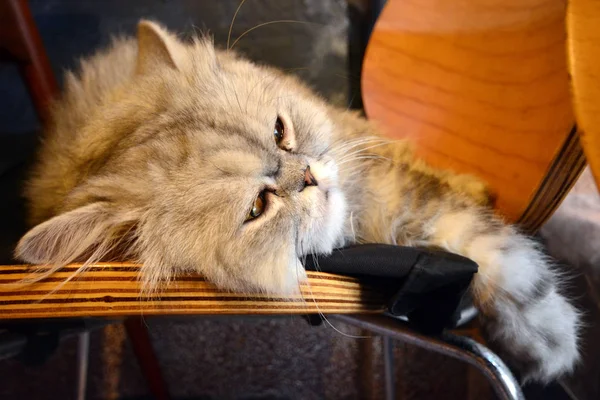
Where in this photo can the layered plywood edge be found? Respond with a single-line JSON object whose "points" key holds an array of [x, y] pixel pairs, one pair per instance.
{"points": [[113, 289], [584, 65]]}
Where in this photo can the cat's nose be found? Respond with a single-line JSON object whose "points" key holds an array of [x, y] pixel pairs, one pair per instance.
{"points": [[309, 179]]}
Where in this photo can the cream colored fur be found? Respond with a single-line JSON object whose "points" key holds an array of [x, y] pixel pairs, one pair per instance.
{"points": [[159, 148]]}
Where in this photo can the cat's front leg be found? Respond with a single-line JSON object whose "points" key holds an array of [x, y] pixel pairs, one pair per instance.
{"points": [[401, 200], [517, 291]]}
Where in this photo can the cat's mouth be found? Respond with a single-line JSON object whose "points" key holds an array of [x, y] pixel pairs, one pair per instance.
{"points": [[323, 226]]}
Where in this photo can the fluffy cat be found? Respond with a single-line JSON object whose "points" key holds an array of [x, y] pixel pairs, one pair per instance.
{"points": [[187, 158]]}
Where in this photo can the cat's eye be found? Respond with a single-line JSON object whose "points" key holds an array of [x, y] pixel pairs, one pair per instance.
{"points": [[278, 131], [258, 207]]}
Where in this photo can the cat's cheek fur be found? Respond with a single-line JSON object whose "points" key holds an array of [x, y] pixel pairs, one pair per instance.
{"points": [[280, 273], [323, 230], [338, 210], [265, 264]]}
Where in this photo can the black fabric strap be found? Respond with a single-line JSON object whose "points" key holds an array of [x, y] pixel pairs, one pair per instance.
{"points": [[424, 285]]}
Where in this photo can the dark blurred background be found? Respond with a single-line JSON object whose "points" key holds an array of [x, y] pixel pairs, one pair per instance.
{"points": [[72, 29]]}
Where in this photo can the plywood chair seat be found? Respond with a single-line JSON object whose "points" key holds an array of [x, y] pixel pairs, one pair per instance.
{"points": [[113, 289]]}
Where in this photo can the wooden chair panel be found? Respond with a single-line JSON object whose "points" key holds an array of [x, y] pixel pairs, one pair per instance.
{"points": [[111, 289], [481, 87], [584, 63]]}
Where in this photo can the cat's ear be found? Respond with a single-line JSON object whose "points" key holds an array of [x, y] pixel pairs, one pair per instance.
{"points": [[157, 47], [68, 236]]}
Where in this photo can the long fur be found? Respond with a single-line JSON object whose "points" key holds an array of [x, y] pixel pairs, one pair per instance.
{"points": [[159, 148]]}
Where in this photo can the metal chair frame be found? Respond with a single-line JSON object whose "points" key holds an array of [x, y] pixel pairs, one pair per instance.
{"points": [[42, 86]]}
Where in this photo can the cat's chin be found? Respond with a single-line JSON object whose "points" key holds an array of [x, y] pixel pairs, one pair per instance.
{"points": [[325, 231]]}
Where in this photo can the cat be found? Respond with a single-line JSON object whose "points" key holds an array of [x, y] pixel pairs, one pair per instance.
{"points": [[188, 158]]}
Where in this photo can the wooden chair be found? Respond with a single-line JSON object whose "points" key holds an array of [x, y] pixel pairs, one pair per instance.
{"points": [[584, 65], [481, 89], [21, 44], [503, 89], [111, 290]]}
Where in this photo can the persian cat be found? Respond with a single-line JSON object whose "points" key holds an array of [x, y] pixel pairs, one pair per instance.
{"points": [[188, 158]]}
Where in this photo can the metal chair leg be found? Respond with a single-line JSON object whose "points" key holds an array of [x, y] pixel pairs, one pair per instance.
{"points": [[388, 364], [502, 380], [83, 354]]}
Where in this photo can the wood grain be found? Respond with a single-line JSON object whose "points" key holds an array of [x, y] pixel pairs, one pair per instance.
{"points": [[583, 27], [113, 289], [481, 87]]}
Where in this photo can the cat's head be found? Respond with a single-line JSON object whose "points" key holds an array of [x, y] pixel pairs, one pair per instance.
{"points": [[209, 163]]}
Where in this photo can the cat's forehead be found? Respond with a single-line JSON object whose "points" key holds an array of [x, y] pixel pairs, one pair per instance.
{"points": [[236, 104], [220, 144], [241, 84]]}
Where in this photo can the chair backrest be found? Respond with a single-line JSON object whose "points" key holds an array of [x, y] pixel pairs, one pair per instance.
{"points": [[583, 33], [480, 88]]}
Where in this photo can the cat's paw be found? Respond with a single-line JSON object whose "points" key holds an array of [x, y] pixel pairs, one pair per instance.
{"points": [[518, 293], [538, 338]]}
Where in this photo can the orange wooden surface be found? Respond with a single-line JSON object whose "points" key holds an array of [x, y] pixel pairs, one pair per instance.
{"points": [[112, 289], [481, 86], [583, 26]]}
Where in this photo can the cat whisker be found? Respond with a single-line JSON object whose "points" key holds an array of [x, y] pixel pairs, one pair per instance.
{"points": [[363, 150], [354, 159], [316, 261], [269, 23], [298, 277], [365, 157], [352, 225], [379, 143], [237, 10], [357, 142], [346, 146], [342, 152], [356, 152], [351, 100], [321, 314], [352, 169]]}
